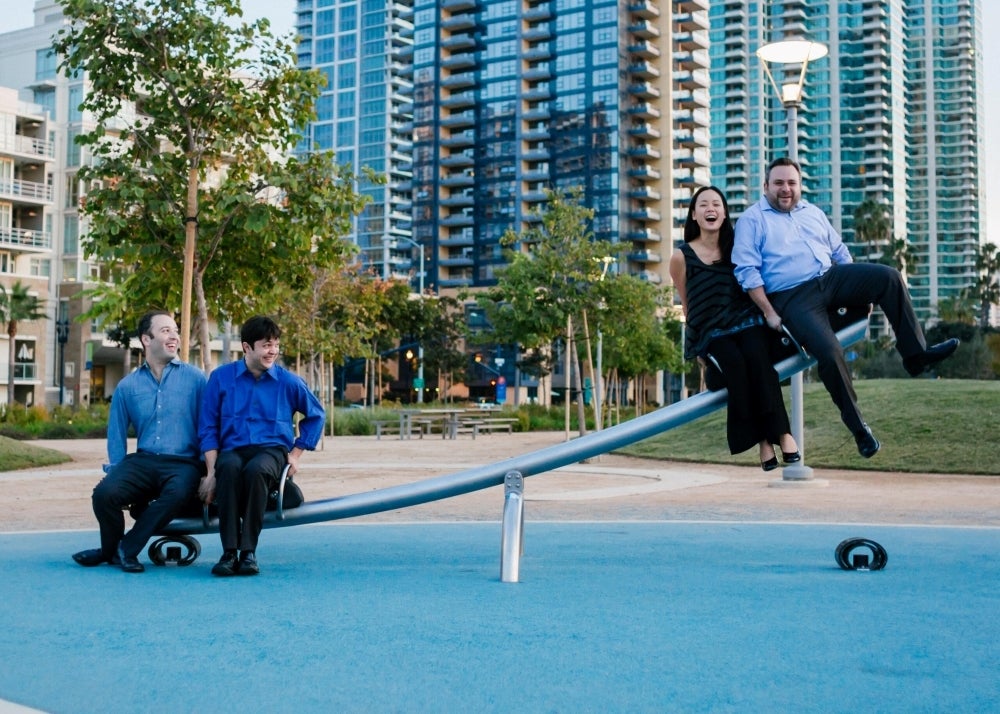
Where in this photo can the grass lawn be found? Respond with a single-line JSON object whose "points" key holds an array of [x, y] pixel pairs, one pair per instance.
{"points": [[925, 426], [23, 455]]}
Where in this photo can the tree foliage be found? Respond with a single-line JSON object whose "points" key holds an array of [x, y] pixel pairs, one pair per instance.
{"points": [[193, 109]]}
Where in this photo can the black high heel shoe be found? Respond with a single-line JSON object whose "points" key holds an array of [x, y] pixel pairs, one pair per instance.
{"points": [[770, 465], [790, 457]]}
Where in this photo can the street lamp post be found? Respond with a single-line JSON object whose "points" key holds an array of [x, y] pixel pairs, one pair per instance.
{"points": [[420, 345], [62, 335], [793, 52]]}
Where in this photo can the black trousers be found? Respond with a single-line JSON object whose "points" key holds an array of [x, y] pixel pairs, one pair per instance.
{"points": [[168, 482], [756, 410], [805, 311], [243, 478]]}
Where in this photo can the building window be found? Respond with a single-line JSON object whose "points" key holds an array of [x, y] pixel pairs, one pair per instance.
{"points": [[40, 268], [45, 64]]}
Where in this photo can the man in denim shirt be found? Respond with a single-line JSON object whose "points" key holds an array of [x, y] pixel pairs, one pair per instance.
{"points": [[160, 400], [247, 434], [795, 267]]}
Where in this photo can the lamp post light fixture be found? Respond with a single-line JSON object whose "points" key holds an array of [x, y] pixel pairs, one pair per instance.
{"points": [[793, 52], [62, 335], [420, 346]]}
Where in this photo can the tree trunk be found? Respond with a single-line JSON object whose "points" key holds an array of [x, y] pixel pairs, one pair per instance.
{"points": [[190, 241], [205, 337]]}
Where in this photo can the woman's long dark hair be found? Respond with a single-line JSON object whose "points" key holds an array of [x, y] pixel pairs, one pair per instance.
{"points": [[692, 231]]}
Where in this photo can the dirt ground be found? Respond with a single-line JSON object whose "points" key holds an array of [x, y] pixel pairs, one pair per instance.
{"points": [[607, 489]]}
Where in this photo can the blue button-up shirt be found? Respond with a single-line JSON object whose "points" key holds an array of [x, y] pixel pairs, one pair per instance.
{"points": [[241, 410], [779, 250], [164, 413]]}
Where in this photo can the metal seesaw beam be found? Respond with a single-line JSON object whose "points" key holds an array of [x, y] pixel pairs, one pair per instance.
{"points": [[536, 462]]}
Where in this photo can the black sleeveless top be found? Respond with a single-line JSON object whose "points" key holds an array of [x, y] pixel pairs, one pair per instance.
{"points": [[716, 304]]}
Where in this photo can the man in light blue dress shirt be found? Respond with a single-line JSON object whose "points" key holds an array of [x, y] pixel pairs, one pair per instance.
{"points": [[796, 268], [160, 400]]}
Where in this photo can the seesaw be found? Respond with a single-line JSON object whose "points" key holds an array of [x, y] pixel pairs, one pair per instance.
{"points": [[509, 472]]}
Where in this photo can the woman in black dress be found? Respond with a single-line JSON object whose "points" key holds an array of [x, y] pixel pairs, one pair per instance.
{"points": [[726, 328]]}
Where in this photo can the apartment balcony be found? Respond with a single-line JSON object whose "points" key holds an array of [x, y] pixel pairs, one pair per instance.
{"points": [[646, 235], [649, 215], [25, 240], [27, 147], [457, 161], [461, 60], [649, 276], [646, 50], [645, 10], [537, 93], [458, 180], [541, 133], [462, 281], [645, 256], [458, 5], [534, 196], [460, 200], [538, 13], [644, 152], [459, 80], [537, 72], [459, 119], [536, 173], [542, 111], [463, 41], [19, 190], [643, 90], [458, 220], [459, 139], [458, 239], [459, 21], [644, 111], [691, 41], [537, 53], [536, 153], [644, 131], [459, 100], [644, 30], [645, 173], [537, 33], [643, 70], [457, 261], [645, 194]]}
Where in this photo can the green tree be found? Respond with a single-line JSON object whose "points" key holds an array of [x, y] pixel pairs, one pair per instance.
{"points": [[16, 305], [872, 226], [985, 292], [191, 108]]}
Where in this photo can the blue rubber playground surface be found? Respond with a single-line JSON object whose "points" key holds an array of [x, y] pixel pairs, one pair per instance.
{"points": [[607, 617]]}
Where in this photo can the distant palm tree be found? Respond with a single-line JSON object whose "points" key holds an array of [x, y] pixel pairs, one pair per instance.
{"points": [[16, 305]]}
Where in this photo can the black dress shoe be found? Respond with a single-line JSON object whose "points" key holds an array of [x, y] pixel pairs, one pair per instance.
{"points": [[770, 465], [868, 445], [227, 565], [918, 364], [791, 457], [129, 563], [248, 563], [90, 558]]}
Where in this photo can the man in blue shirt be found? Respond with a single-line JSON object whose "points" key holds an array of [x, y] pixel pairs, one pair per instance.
{"points": [[247, 435], [795, 267], [160, 400]]}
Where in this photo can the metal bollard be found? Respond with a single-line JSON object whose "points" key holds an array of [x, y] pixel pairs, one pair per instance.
{"points": [[512, 528]]}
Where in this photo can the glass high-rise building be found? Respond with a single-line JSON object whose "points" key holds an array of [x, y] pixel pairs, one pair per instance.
{"points": [[364, 48], [892, 114], [511, 98]]}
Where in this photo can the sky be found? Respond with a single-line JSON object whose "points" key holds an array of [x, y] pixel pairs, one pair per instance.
{"points": [[282, 16]]}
